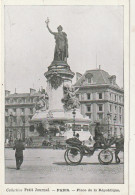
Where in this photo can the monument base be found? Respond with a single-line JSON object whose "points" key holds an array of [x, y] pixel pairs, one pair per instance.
{"points": [[56, 116], [58, 77]]}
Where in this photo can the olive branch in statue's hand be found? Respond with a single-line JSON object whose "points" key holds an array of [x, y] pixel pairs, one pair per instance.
{"points": [[47, 21]]}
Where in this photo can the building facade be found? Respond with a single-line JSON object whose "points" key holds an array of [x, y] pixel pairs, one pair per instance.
{"points": [[102, 100], [19, 109]]}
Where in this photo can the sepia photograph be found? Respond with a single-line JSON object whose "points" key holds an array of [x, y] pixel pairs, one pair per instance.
{"points": [[64, 94]]}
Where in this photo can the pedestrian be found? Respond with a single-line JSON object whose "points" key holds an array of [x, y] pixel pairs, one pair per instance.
{"points": [[19, 147]]}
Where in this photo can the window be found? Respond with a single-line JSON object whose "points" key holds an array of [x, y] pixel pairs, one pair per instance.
{"points": [[14, 110], [89, 77], [22, 111], [85, 127], [115, 108], [7, 101], [11, 101], [77, 95], [100, 116], [19, 100], [110, 108], [88, 96], [89, 108], [100, 96], [121, 132], [82, 96], [6, 111], [120, 110], [31, 100], [110, 96], [14, 119], [31, 128], [15, 100], [120, 119], [110, 118], [23, 119], [23, 100], [27, 99], [6, 119], [31, 110], [115, 98], [120, 98], [115, 116], [100, 107], [115, 131], [89, 80], [89, 115]]}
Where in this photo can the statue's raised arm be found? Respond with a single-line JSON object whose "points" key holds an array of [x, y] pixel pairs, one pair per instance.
{"points": [[47, 22]]}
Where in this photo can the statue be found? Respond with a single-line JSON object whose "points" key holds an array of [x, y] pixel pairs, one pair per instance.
{"points": [[70, 100], [61, 47], [42, 102]]}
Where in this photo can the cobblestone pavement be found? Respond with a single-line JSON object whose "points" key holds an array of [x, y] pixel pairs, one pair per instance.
{"points": [[44, 166]]}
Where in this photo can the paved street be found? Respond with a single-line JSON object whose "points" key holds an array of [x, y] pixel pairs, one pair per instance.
{"points": [[44, 166]]}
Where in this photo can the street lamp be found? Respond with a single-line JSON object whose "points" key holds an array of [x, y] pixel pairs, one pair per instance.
{"points": [[109, 132], [11, 130], [23, 131], [115, 133], [74, 113]]}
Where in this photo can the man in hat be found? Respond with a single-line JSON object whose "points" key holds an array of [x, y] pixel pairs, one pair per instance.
{"points": [[87, 149], [99, 138], [19, 147]]}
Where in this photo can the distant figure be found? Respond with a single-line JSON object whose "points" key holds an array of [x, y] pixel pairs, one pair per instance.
{"points": [[77, 136], [19, 147]]}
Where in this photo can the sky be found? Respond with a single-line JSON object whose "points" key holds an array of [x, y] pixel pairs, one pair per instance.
{"points": [[95, 37]]}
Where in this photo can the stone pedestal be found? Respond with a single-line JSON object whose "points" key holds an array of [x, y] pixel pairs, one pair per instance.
{"points": [[58, 75]]}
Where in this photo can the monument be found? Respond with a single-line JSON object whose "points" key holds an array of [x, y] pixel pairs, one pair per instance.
{"points": [[60, 104]]}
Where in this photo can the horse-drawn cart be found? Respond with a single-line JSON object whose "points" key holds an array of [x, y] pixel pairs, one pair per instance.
{"points": [[76, 150]]}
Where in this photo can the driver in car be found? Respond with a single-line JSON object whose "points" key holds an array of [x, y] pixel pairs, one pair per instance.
{"points": [[99, 138], [88, 149]]}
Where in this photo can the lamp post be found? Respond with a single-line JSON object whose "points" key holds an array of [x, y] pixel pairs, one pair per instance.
{"points": [[11, 130], [23, 130], [74, 113], [109, 132], [115, 134]]}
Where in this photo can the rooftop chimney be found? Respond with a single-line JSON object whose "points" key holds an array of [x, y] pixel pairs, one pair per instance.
{"points": [[15, 90], [7, 93], [32, 91]]}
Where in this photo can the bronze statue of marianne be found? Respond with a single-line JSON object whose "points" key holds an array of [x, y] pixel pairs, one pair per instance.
{"points": [[61, 47]]}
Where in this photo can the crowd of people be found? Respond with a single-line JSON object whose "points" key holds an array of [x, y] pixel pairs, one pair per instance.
{"points": [[10, 142]]}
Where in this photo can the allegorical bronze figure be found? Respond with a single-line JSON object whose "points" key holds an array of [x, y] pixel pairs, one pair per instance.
{"points": [[61, 47]]}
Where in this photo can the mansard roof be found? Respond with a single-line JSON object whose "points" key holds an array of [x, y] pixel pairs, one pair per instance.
{"points": [[98, 77]]}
